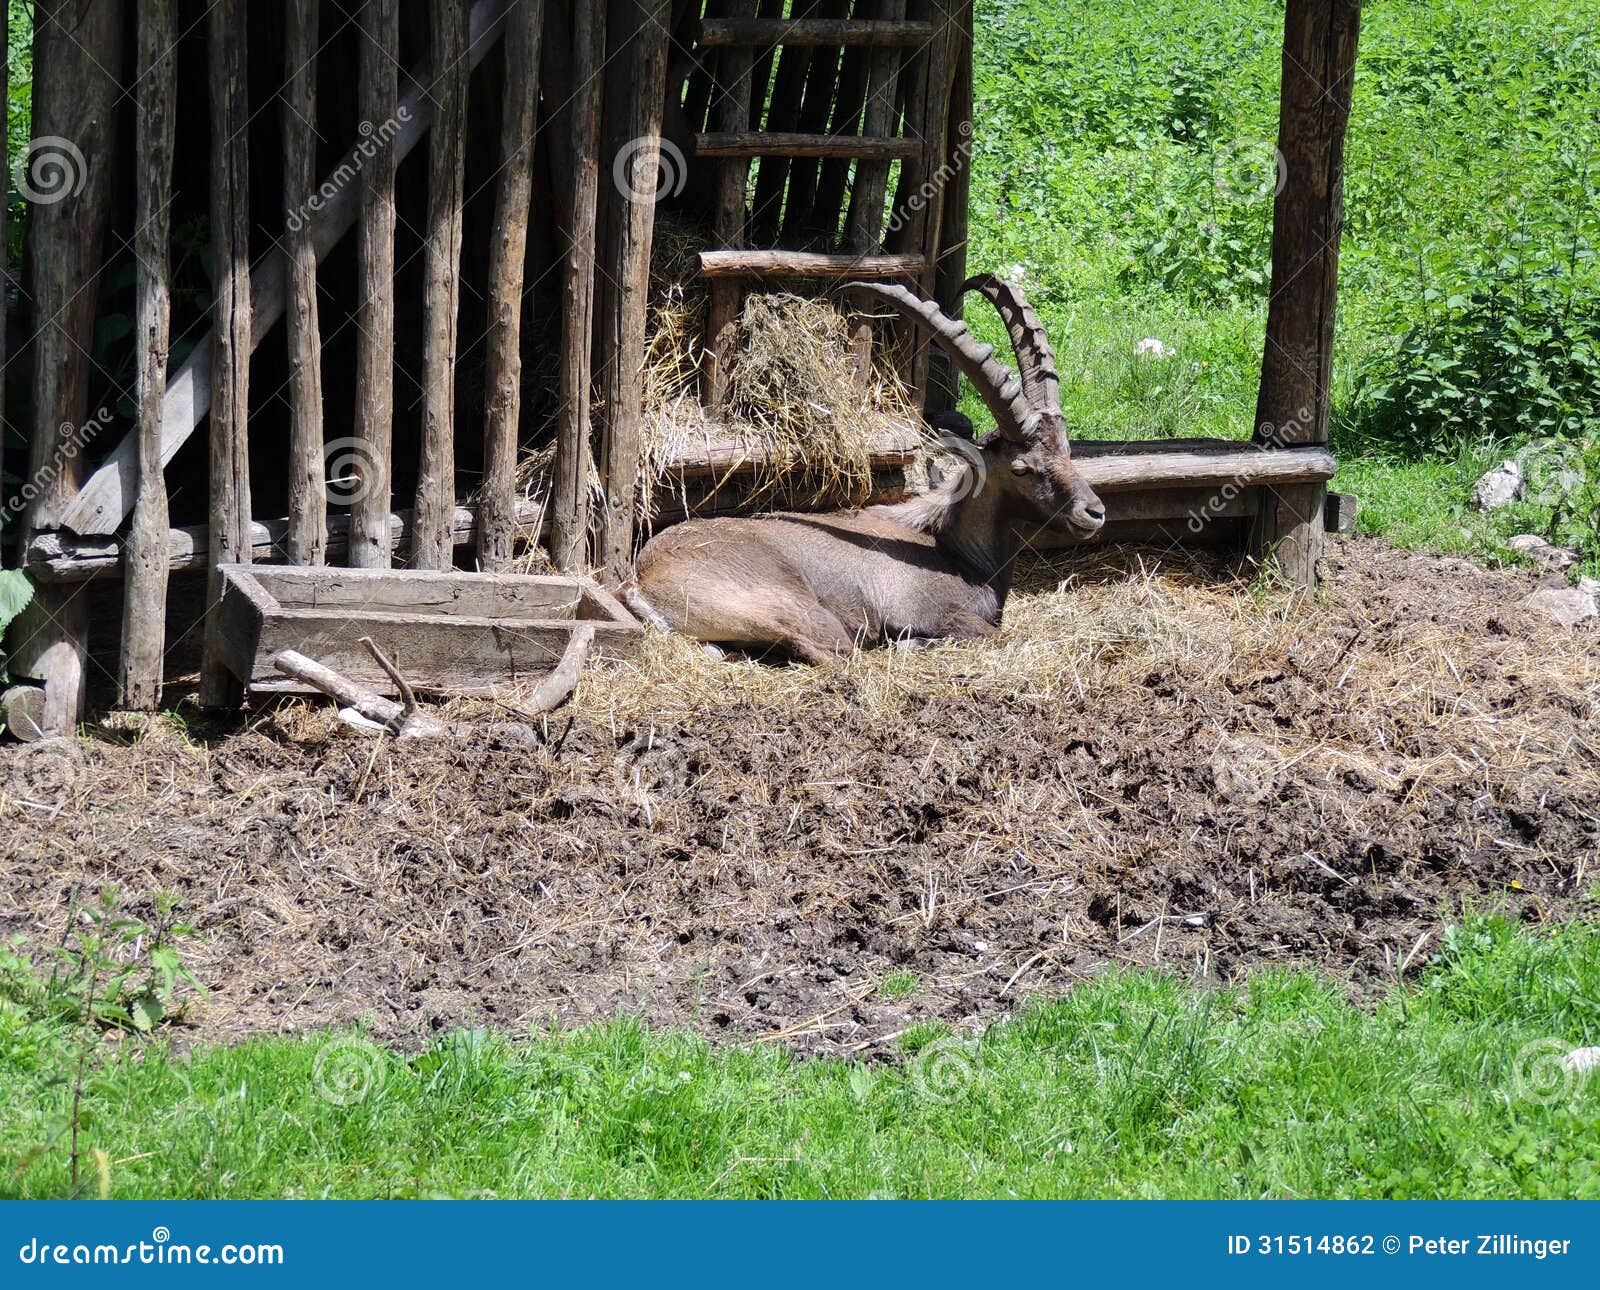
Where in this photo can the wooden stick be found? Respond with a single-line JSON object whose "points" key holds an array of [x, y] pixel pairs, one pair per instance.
{"points": [[807, 264], [1319, 57], [951, 272], [805, 32], [569, 511], [788, 88], [635, 91], [144, 606], [744, 144], [230, 355], [863, 226], [552, 692], [815, 105], [731, 113], [375, 708], [374, 412], [308, 501], [497, 524], [849, 99], [436, 473], [77, 51]]}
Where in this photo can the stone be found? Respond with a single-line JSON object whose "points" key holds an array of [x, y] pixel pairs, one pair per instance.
{"points": [[1568, 606], [1535, 548], [1498, 487]]}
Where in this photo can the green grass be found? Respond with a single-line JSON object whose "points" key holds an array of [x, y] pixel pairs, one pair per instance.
{"points": [[1133, 1085]]}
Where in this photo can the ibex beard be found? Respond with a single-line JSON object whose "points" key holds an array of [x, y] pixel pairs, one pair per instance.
{"points": [[937, 566]]}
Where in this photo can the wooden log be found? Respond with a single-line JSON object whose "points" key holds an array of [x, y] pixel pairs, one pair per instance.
{"points": [[78, 56], [502, 415], [103, 503], [863, 226], [569, 525], [783, 107], [436, 472], [144, 607], [730, 113], [635, 90], [308, 500], [761, 68], [1319, 57], [744, 144], [22, 713], [815, 105], [880, 33], [5, 211], [951, 272], [373, 458], [807, 264], [849, 101]]}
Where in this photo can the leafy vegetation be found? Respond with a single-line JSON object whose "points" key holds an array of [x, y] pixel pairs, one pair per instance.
{"points": [[1134, 1085]]}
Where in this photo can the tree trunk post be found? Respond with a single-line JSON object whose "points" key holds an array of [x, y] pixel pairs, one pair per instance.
{"points": [[1319, 58]]}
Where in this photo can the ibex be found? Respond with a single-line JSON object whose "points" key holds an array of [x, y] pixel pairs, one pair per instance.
{"points": [[935, 566]]}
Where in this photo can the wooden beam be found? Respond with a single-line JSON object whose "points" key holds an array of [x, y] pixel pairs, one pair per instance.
{"points": [[951, 271], [77, 63], [144, 607], [863, 225], [816, 103], [783, 108], [880, 34], [807, 264], [1319, 58], [308, 494], [569, 504], [635, 91], [502, 412], [730, 113], [752, 143], [230, 311], [436, 470], [104, 502]]}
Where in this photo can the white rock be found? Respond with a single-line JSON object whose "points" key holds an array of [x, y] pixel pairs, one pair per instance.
{"points": [[1541, 552], [1568, 606], [1498, 487], [1581, 1059]]}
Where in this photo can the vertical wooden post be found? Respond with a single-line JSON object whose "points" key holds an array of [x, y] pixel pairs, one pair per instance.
{"points": [[569, 519], [308, 497], [1319, 58], [5, 169], [77, 61], [815, 104], [730, 111], [430, 535], [772, 173], [144, 604], [863, 226], [849, 102], [635, 88], [230, 312], [943, 387], [378, 92], [497, 521]]}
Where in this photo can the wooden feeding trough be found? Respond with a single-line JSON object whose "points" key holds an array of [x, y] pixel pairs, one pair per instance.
{"points": [[445, 631]]}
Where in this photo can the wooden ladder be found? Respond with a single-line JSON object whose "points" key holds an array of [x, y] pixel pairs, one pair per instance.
{"points": [[861, 73]]}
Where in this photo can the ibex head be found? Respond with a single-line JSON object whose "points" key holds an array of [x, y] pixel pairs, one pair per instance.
{"points": [[1029, 450]]}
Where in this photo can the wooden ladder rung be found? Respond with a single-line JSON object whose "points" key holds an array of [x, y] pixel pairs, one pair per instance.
{"points": [[807, 264], [880, 33], [753, 143]]}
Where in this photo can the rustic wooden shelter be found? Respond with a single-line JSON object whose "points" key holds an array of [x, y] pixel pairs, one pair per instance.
{"points": [[391, 241]]}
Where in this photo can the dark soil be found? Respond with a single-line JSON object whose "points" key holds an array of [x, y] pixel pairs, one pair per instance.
{"points": [[1350, 774]]}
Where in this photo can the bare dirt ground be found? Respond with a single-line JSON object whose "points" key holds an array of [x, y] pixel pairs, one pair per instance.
{"points": [[1157, 763]]}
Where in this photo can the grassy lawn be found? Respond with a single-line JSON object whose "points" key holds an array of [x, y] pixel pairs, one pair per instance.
{"points": [[1134, 1085]]}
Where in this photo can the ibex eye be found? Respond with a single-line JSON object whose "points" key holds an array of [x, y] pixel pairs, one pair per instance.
{"points": [[1021, 468]]}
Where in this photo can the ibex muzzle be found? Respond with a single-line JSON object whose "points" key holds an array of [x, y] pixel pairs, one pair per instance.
{"points": [[933, 567]]}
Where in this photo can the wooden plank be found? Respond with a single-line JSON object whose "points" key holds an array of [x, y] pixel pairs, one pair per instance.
{"points": [[735, 144], [635, 91], [144, 607], [783, 108], [807, 264], [308, 494], [76, 51], [849, 99], [880, 34], [1237, 465], [951, 272], [863, 225], [421, 591], [230, 311], [436, 469], [104, 502], [569, 494], [730, 113], [816, 103], [1292, 406], [502, 413]]}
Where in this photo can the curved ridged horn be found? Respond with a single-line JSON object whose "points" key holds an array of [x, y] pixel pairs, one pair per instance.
{"points": [[1036, 361], [997, 385]]}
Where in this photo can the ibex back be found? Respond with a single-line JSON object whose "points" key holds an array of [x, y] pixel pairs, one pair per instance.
{"points": [[935, 566]]}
